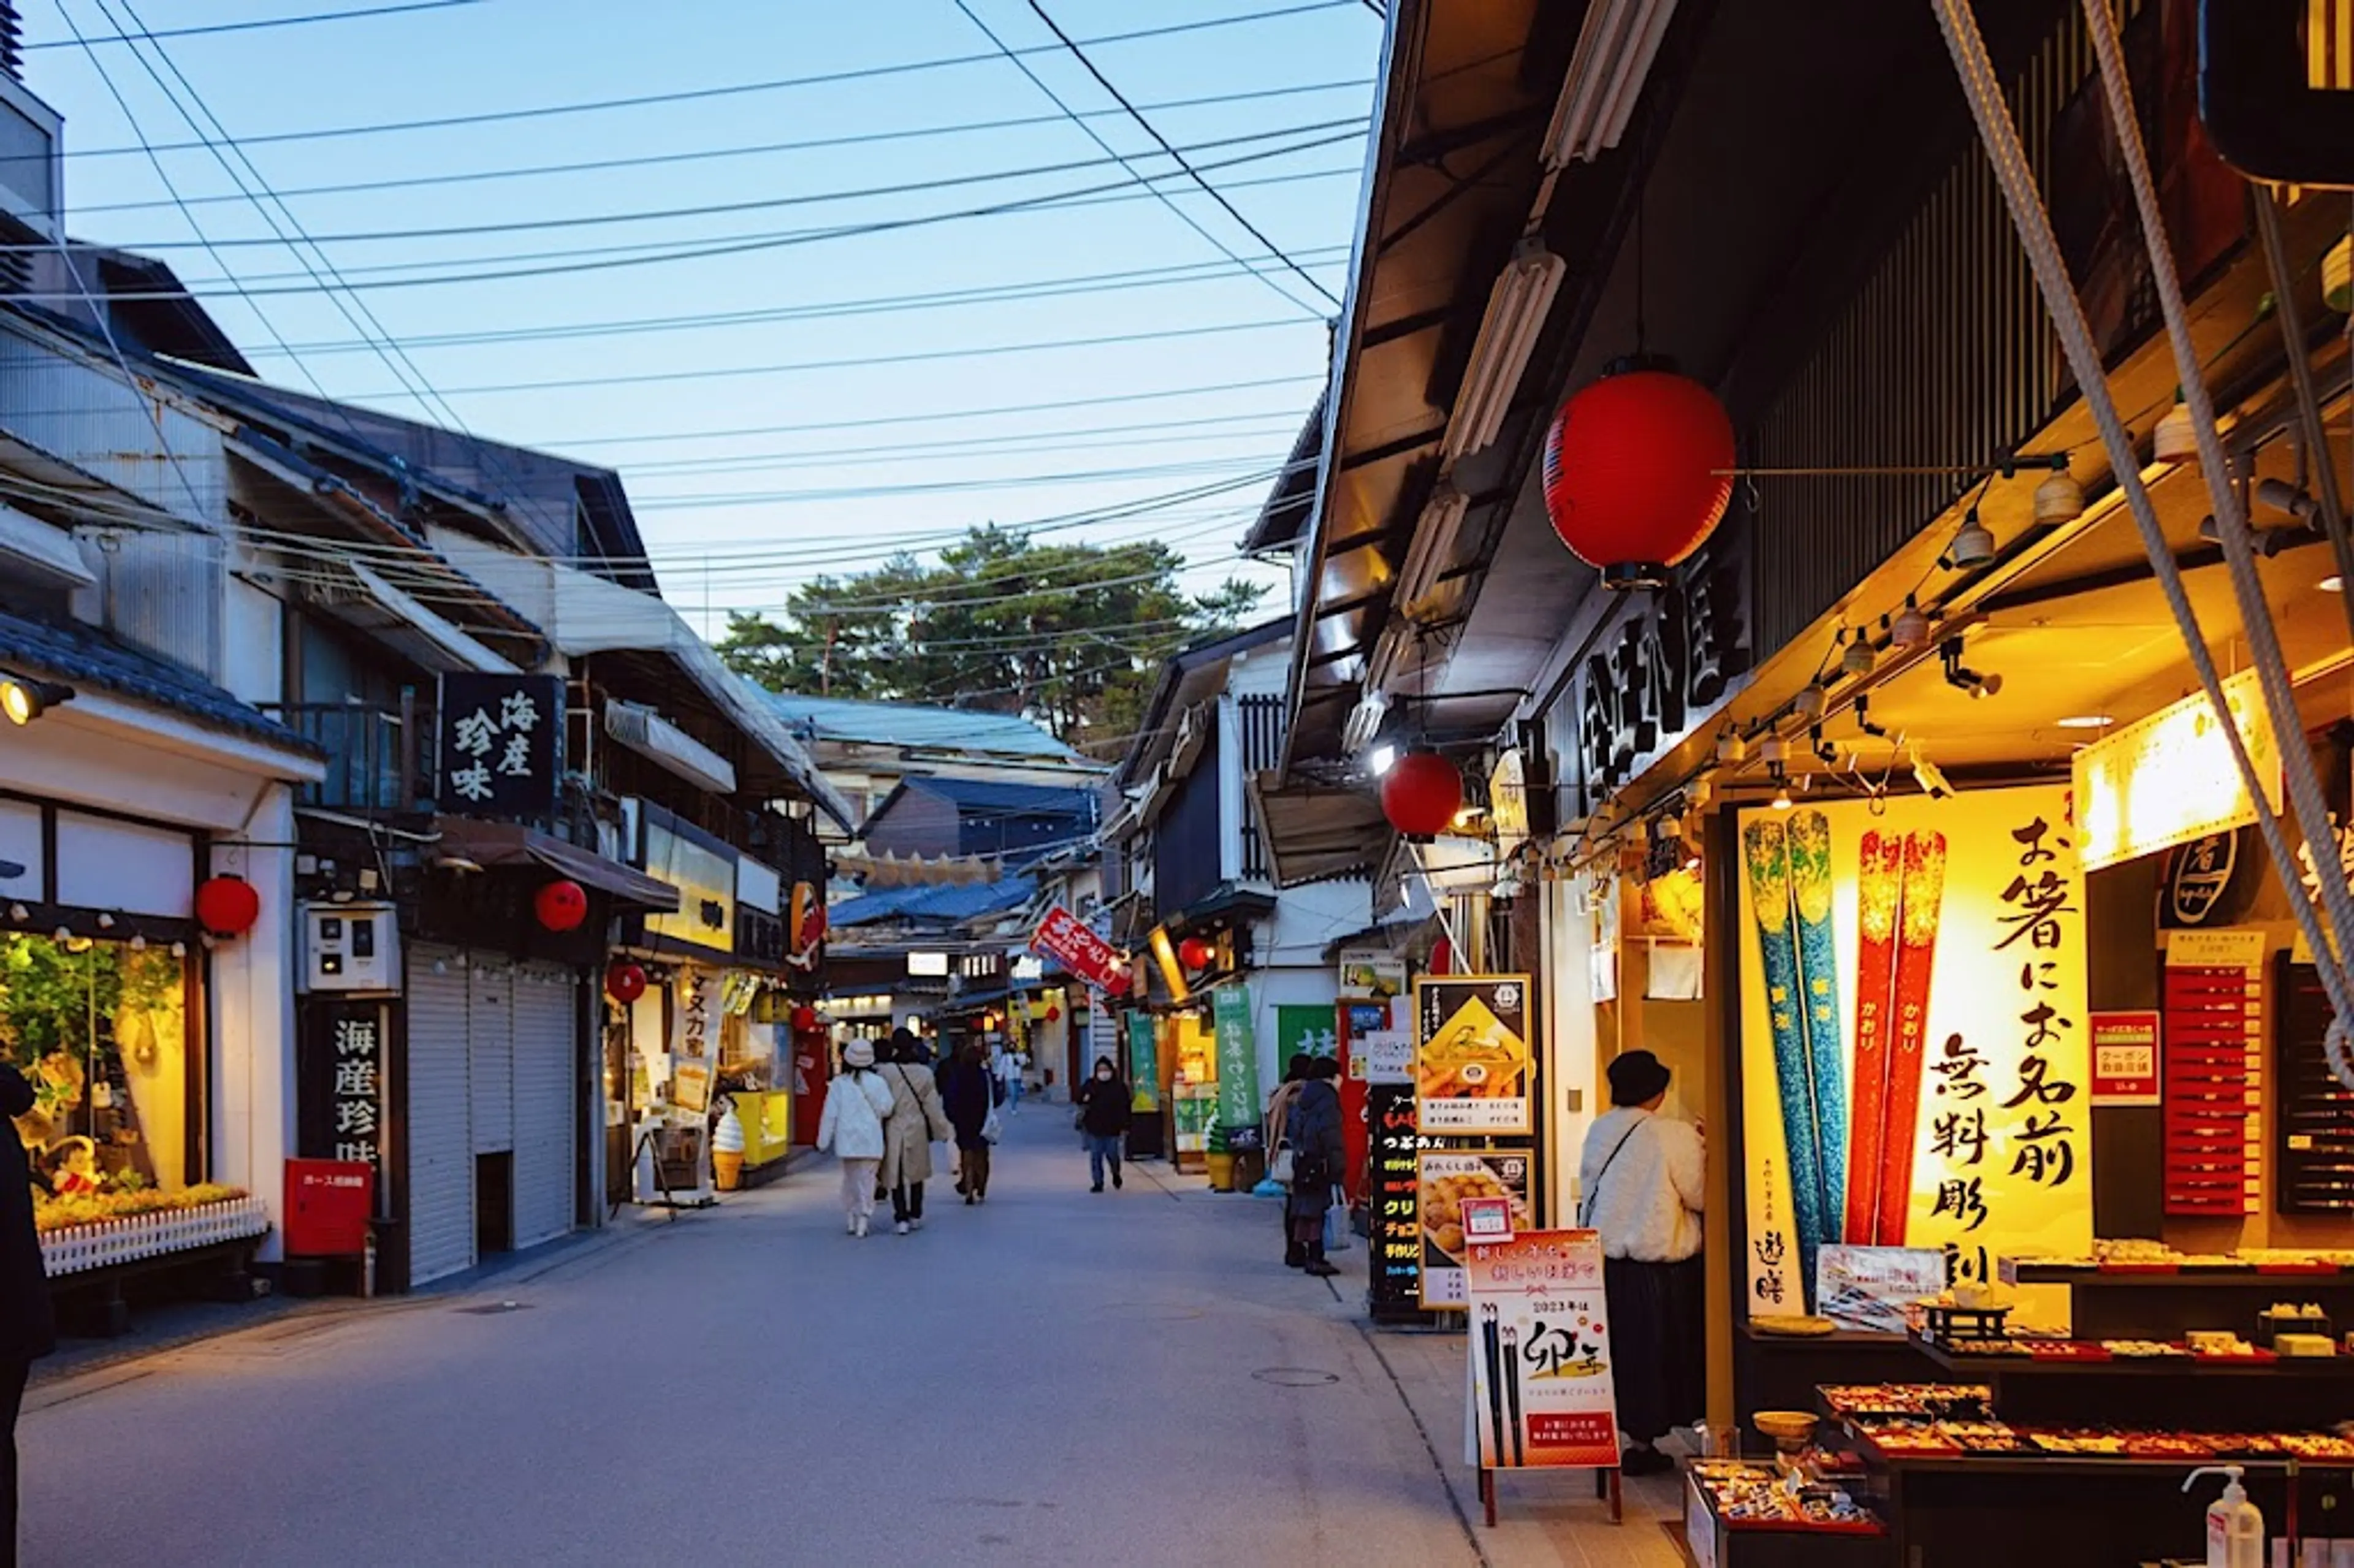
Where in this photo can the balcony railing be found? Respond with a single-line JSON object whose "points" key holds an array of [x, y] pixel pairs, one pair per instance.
{"points": [[379, 758]]}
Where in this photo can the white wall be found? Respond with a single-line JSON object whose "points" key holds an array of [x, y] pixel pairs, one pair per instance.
{"points": [[253, 662], [1571, 1064], [252, 1023]]}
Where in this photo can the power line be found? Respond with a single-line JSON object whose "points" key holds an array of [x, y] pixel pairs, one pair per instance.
{"points": [[764, 204], [919, 357], [946, 451], [691, 501], [147, 37], [712, 155], [1187, 218], [616, 258], [1207, 189], [701, 94]]}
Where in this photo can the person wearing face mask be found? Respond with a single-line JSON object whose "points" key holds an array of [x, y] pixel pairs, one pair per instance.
{"points": [[1103, 1112]]}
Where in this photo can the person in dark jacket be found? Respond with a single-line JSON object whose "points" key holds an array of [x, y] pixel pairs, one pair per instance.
{"points": [[1104, 1113], [1320, 1157], [1278, 1112], [27, 1331], [968, 1092]]}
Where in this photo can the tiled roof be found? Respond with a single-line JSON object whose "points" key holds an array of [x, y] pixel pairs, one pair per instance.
{"points": [[915, 726], [972, 797], [84, 656], [945, 906]]}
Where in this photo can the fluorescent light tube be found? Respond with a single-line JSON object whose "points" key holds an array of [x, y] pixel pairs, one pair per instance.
{"points": [[1614, 51], [1432, 547], [1517, 308]]}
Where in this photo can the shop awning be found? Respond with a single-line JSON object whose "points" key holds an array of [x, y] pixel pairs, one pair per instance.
{"points": [[1315, 833], [508, 843], [362, 597]]}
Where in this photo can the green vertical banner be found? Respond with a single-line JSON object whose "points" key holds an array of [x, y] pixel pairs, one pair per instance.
{"points": [[1144, 1059], [1237, 1057], [1309, 1031]]}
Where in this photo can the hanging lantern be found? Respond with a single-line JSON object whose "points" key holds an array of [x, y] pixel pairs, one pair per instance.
{"points": [[560, 905], [1638, 471], [625, 981], [1196, 953], [1422, 794], [805, 1019], [227, 906]]}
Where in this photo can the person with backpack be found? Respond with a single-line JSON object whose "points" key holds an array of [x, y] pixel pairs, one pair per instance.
{"points": [[1642, 1180], [856, 1107]]}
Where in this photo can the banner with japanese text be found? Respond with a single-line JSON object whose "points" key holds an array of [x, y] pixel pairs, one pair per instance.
{"points": [[1915, 1047], [1238, 1101], [1542, 1393]]}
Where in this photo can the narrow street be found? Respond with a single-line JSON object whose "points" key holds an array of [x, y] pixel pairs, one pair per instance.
{"points": [[1056, 1377]]}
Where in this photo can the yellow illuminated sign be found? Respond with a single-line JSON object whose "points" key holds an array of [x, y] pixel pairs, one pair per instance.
{"points": [[2170, 778]]}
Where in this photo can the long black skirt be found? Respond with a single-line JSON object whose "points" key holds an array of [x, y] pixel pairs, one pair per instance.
{"points": [[1659, 1337]]}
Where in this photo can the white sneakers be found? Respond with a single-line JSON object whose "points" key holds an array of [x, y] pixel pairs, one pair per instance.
{"points": [[902, 1227], [858, 1226], [850, 1224]]}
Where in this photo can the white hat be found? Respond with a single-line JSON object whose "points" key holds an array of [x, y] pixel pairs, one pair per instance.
{"points": [[858, 1054]]}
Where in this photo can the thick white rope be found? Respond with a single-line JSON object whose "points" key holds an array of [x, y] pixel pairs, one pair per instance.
{"points": [[1999, 134]]}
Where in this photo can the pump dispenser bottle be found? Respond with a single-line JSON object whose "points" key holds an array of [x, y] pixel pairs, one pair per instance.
{"points": [[2235, 1527]]}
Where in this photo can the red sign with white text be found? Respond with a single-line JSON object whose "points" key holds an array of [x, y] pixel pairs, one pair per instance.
{"points": [[2125, 1058], [1065, 938]]}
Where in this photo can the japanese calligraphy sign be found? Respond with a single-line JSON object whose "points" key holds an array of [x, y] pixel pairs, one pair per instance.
{"points": [[1445, 1181], [1238, 1101], [1475, 1063], [1065, 938], [1915, 1047], [501, 743], [2171, 779], [1542, 1393], [343, 1088]]}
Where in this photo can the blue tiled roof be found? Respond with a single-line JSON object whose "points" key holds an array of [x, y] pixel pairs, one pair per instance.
{"points": [[944, 905], [986, 796], [914, 726], [84, 656]]}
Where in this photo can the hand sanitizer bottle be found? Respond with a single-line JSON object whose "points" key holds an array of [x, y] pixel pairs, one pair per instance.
{"points": [[2235, 1528]]}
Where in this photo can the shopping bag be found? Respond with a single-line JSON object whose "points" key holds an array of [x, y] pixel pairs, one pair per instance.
{"points": [[992, 1126], [1336, 1224], [1280, 1169]]}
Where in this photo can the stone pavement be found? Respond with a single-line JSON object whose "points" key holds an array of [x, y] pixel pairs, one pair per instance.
{"points": [[1054, 1377]]}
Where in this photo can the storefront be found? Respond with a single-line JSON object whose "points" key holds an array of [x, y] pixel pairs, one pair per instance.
{"points": [[160, 1053]]}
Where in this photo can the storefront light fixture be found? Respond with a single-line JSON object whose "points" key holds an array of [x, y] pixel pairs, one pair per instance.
{"points": [[24, 699], [1809, 703], [179, 949], [1858, 657], [2059, 499], [1381, 760], [2087, 721], [1973, 544], [1614, 51], [1960, 676], [138, 943], [1433, 545], [1781, 800], [2176, 442], [19, 914], [1517, 308], [1731, 749], [2332, 584], [1910, 628]]}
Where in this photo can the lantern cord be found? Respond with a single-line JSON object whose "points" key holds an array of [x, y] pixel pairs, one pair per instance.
{"points": [[1642, 207], [2014, 177]]}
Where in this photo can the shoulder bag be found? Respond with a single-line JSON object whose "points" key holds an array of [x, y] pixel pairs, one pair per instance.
{"points": [[1585, 1203], [992, 1126]]}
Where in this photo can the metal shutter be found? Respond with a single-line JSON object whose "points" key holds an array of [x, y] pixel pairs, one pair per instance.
{"points": [[545, 1116], [441, 1144], [490, 1049]]}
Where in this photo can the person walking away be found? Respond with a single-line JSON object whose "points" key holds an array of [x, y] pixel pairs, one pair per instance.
{"points": [[28, 1330], [968, 1094], [1278, 1111], [1641, 1175], [1105, 1109], [916, 1119], [1319, 1158], [856, 1108]]}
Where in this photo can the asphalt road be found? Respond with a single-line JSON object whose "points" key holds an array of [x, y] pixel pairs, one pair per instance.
{"points": [[1054, 1377]]}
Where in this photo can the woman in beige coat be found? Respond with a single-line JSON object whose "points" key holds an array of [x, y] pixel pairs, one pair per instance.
{"points": [[916, 1117]]}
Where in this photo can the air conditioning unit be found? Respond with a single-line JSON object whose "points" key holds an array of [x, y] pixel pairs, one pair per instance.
{"points": [[351, 949]]}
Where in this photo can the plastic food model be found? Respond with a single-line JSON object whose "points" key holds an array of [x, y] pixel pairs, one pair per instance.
{"points": [[1442, 1207]]}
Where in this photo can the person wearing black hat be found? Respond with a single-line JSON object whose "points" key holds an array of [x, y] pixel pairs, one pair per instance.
{"points": [[1640, 1184]]}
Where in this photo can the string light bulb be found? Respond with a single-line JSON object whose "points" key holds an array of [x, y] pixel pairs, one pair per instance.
{"points": [[1859, 657], [1910, 630], [2176, 441], [2059, 499]]}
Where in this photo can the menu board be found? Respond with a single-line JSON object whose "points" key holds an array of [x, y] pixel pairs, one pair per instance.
{"points": [[1393, 1279], [2214, 1037], [2317, 1112], [1443, 1179], [1474, 1058]]}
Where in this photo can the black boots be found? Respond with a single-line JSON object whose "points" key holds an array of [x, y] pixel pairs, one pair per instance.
{"points": [[1316, 1264], [1295, 1256]]}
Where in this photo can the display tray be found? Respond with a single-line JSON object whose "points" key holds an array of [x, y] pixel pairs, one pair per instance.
{"points": [[2238, 1273], [1698, 1481], [2078, 1357]]}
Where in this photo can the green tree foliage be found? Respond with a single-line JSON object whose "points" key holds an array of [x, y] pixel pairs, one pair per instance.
{"points": [[1070, 635]]}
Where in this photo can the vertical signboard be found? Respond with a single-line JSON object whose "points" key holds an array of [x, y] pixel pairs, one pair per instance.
{"points": [[1542, 1393], [501, 743], [1474, 1059], [1915, 1046], [1144, 1060], [342, 1096], [1238, 1101]]}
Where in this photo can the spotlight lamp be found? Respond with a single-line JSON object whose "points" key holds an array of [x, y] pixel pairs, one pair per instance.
{"points": [[1960, 676], [24, 699], [1864, 720], [1731, 749], [1781, 802]]}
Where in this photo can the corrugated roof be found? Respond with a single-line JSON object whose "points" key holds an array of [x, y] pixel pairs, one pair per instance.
{"points": [[82, 655], [986, 796], [915, 726], [945, 905]]}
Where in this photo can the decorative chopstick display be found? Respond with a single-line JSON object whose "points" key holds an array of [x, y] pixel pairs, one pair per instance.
{"points": [[1880, 879], [1810, 899], [1765, 852], [1917, 953]]}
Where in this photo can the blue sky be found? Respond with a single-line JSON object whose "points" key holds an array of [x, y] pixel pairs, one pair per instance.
{"points": [[831, 471]]}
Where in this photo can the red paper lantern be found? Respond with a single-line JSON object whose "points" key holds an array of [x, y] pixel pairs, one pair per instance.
{"points": [[805, 1019], [560, 905], [1638, 471], [625, 981], [1195, 953], [1422, 794], [227, 906]]}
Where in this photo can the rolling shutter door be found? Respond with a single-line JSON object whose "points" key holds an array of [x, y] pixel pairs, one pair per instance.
{"points": [[546, 1118], [441, 1145], [490, 1049]]}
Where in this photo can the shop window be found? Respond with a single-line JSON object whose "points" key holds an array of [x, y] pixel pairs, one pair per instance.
{"points": [[101, 1029]]}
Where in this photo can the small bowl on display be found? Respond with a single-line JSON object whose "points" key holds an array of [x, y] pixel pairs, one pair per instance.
{"points": [[1791, 1430]]}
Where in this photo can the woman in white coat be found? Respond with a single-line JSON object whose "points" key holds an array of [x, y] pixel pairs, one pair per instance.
{"points": [[855, 1109]]}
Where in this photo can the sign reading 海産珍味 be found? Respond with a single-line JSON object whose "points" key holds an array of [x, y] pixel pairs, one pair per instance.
{"points": [[502, 751]]}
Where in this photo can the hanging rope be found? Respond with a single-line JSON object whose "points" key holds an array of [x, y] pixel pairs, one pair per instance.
{"points": [[1999, 134]]}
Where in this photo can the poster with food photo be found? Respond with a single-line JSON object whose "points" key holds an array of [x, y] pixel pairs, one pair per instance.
{"points": [[1473, 1057], [1447, 1177]]}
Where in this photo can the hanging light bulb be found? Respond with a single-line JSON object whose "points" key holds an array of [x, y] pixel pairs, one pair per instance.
{"points": [[1973, 544], [19, 914], [179, 949], [2176, 441], [1808, 704], [61, 935], [2059, 499], [1910, 630], [1781, 802], [1773, 751], [1858, 659], [138, 943], [1731, 749]]}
